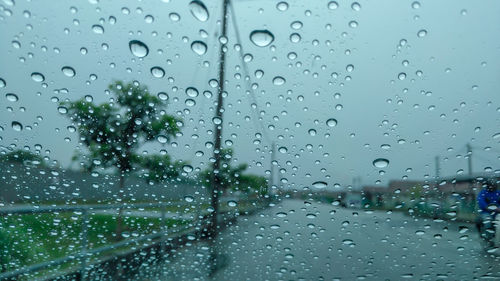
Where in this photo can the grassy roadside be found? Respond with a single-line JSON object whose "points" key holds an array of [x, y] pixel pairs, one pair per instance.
{"points": [[27, 239], [33, 238]]}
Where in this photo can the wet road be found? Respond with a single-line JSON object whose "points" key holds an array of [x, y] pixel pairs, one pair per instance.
{"points": [[297, 240]]}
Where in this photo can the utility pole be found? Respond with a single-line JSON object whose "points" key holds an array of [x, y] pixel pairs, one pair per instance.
{"points": [[438, 170], [273, 159], [469, 159], [218, 122]]}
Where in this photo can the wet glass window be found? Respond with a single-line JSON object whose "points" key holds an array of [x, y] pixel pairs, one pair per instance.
{"points": [[249, 140]]}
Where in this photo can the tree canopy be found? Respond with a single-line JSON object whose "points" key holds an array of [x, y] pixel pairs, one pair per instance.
{"points": [[234, 178], [113, 131]]}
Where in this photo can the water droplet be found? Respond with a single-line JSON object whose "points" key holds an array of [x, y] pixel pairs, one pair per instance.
{"points": [[281, 214], [98, 29], [261, 38], [422, 33], [68, 71], [2, 83], [311, 216], [157, 72], [217, 120], [232, 203], [331, 122], [37, 77], [312, 132], [192, 92], [496, 136], [402, 76], [320, 184], [62, 110], [199, 10], [283, 149], [162, 139], [174, 17], [296, 25], [138, 48], [187, 168], [380, 163], [332, 5], [295, 38], [17, 126], [385, 146], [282, 6], [199, 47], [278, 81], [190, 102], [11, 97], [356, 6], [163, 96], [189, 199], [347, 242]]}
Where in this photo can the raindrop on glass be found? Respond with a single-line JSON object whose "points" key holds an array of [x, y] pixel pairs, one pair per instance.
{"points": [[422, 33], [198, 10], [331, 122], [162, 139], [278, 81], [68, 71], [98, 29], [261, 38], [187, 168], [199, 47], [163, 96], [17, 126], [37, 77], [319, 184], [138, 48], [332, 5], [380, 163], [157, 72], [11, 97], [192, 92]]}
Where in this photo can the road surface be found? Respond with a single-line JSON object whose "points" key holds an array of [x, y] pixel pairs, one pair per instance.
{"points": [[298, 240]]}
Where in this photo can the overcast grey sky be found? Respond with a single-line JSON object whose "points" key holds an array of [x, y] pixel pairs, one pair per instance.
{"points": [[347, 66]]}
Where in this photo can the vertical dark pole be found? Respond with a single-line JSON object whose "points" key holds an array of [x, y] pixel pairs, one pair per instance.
{"points": [[469, 159], [271, 177], [438, 170], [218, 121]]}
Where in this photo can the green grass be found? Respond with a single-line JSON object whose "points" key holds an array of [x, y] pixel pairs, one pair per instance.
{"points": [[34, 238]]}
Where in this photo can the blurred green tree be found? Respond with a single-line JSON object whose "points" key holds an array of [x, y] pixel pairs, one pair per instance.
{"points": [[22, 157], [113, 132], [233, 178]]}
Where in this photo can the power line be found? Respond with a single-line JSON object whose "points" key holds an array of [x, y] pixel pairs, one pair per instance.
{"points": [[247, 74]]}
